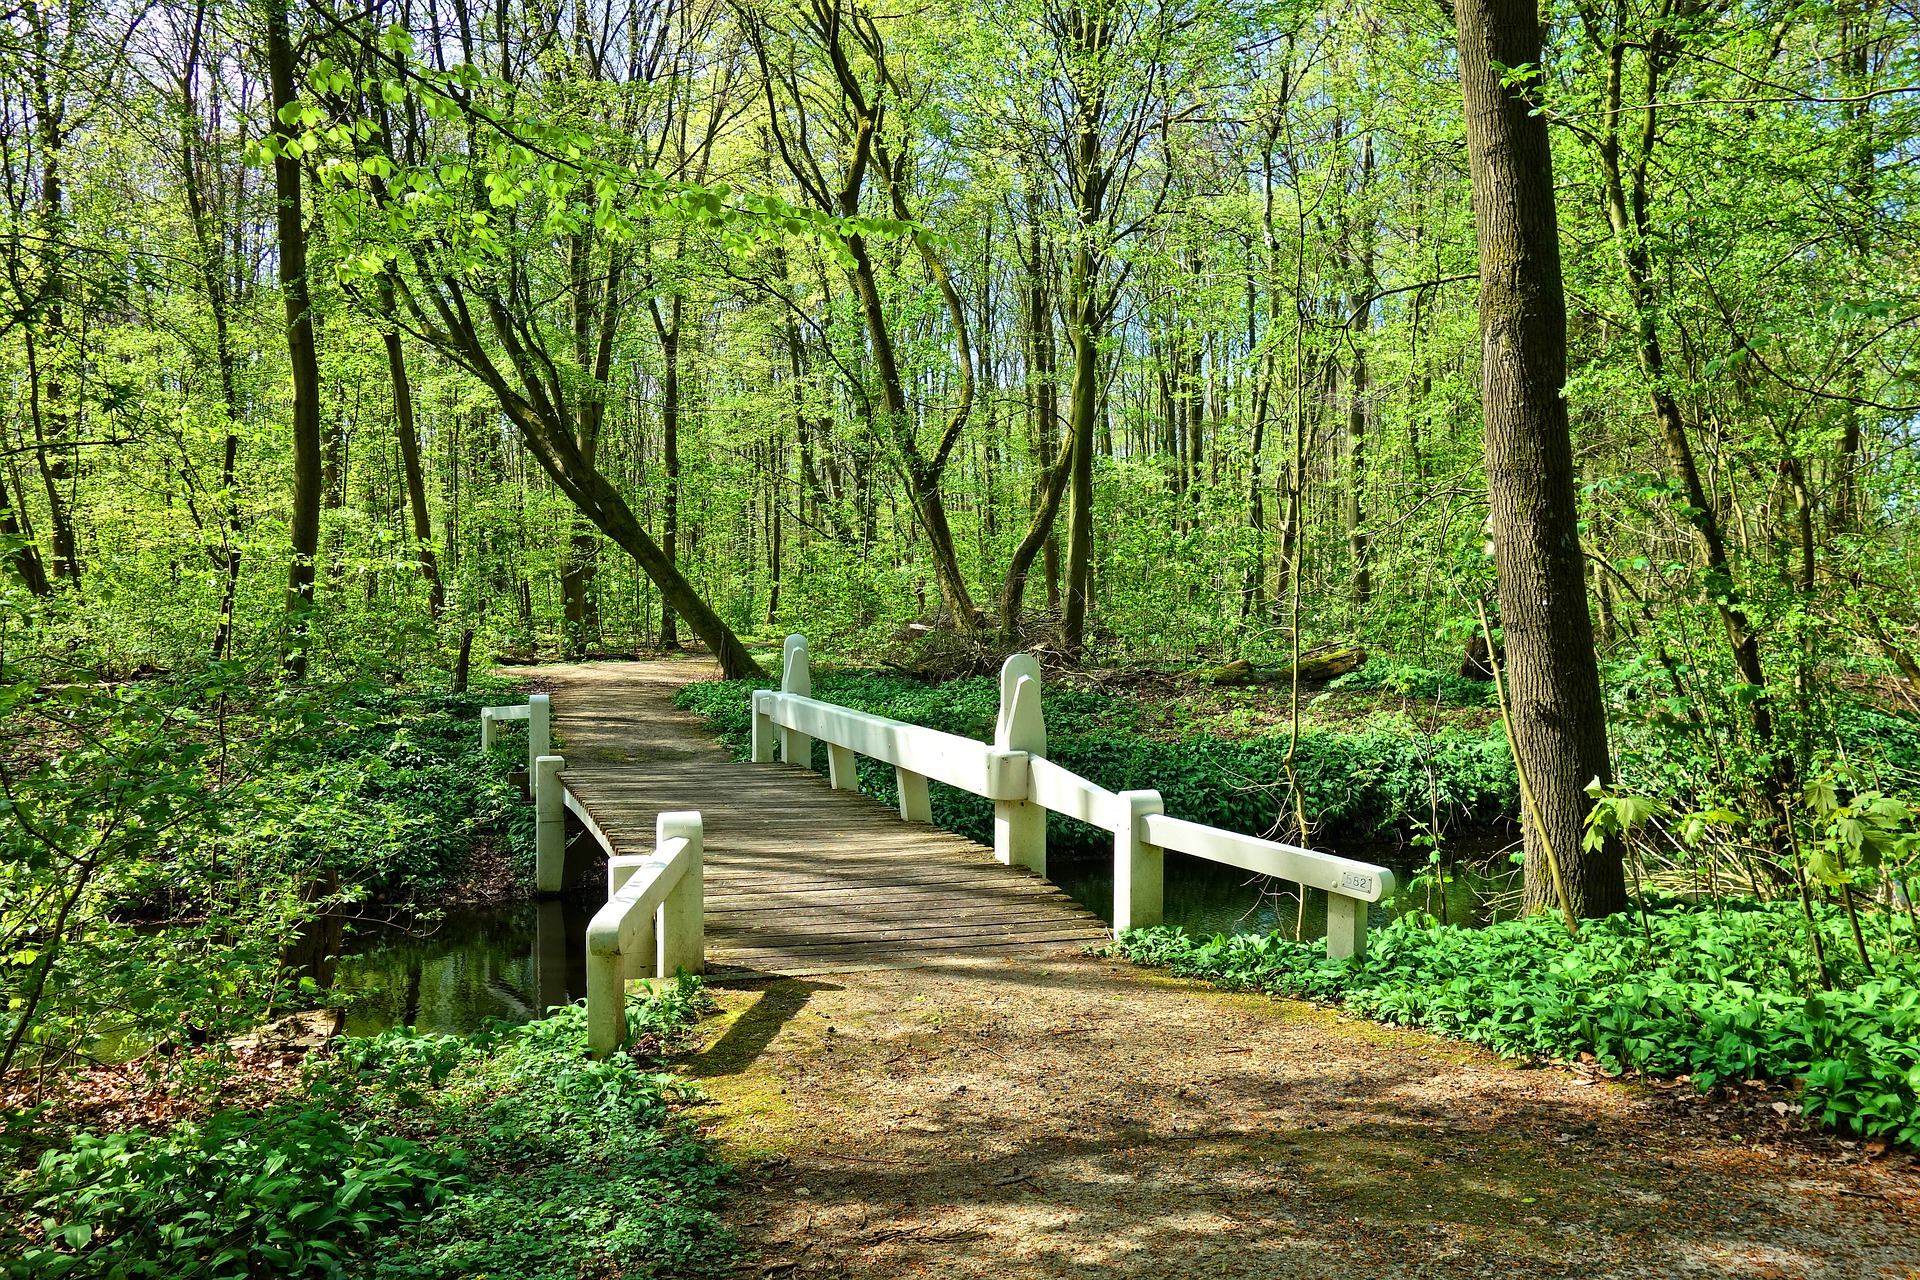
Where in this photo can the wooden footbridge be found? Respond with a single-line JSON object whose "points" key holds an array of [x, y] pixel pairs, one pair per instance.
{"points": [[767, 867]]}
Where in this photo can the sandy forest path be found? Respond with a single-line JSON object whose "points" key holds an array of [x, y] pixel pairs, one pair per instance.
{"points": [[1070, 1116]]}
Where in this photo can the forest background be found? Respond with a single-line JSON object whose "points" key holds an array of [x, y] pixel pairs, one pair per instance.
{"points": [[347, 348]]}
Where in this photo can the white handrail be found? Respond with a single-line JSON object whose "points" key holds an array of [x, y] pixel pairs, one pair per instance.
{"points": [[653, 924], [1023, 784], [537, 711]]}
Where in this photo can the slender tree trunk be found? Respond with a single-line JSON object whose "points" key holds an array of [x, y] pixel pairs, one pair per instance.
{"points": [[1083, 406], [302, 356], [410, 453], [1628, 205], [46, 344], [669, 334], [1559, 724], [1039, 539]]}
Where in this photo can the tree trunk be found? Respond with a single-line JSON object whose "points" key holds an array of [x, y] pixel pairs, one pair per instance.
{"points": [[669, 333], [410, 453], [1082, 407], [1558, 717], [302, 357]]}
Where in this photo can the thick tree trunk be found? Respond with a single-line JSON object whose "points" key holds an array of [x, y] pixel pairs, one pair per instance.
{"points": [[304, 525], [1558, 717]]}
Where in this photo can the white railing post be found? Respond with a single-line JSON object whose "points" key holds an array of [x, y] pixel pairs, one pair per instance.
{"points": [[606, 1002], [1020, 826], [682, 922], [1346, 926], [796, 676], [765, 732], [1139, 867], [915, 804], [539, 728], [843, 769], [486, 729], [653, 925], [550, 825]]}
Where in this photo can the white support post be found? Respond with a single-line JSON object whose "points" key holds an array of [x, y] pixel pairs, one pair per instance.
{"points": [[539, 729], [1020, 826], [606, 1004], [550, 825], [765, 732], [486, 729], [796, 676], [843, 770], [1346, 926], [681, 924], [915, 804], [1139, 883]]}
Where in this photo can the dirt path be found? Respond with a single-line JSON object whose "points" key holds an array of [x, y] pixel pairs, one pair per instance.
{"points": [[1076, 1117]]}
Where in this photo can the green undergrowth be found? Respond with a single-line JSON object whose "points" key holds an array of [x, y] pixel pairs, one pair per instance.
{"points": [[507, 1154], [1359, 782], [392, 789], [1716, 994]]}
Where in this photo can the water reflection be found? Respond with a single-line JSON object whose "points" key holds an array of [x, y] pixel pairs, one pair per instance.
{"points": [[512, 962]]}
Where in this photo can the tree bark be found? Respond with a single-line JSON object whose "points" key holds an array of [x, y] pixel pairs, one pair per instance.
{"points": [[669, 334], [410, 453], [304, 525], [1558, 717]]}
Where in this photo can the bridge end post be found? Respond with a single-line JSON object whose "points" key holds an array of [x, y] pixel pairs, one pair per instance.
{"points": [[681, 923], [606, 1003], [550, 825], [1346, 926], [1020, 826], [1139, 868], [765, 732], [486, 730], [539, 728], [796, 677]]}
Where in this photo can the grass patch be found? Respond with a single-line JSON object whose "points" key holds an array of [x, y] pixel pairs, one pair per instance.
{"points": [[507, 1153], [1726, 994]]}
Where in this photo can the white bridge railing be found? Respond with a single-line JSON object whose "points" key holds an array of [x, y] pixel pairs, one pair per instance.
{"points": [[654, 920], [1013, 771], [653, 925], [537, 712]]}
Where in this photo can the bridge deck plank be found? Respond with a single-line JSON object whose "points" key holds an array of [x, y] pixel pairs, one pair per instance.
{"points": [[801, 879]]}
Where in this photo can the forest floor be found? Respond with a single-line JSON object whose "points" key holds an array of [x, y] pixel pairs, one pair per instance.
{"points": [[1077, 1116]]}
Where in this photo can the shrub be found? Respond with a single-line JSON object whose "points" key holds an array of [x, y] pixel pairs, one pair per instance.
{"points": [[1718, 995], [508, 1153]]}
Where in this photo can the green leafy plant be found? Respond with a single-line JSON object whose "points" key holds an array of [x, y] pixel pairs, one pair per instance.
{"points": [[1725, 995]]}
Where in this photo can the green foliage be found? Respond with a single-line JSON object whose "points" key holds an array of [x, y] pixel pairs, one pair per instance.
{"points": [[1358, 783], [1718, 995], [508, 1153], [221, 804], [293, 1190], [1423, 683]]}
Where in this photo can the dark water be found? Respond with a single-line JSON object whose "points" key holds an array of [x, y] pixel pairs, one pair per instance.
{"points": [[516, 960], [512, 961]]}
